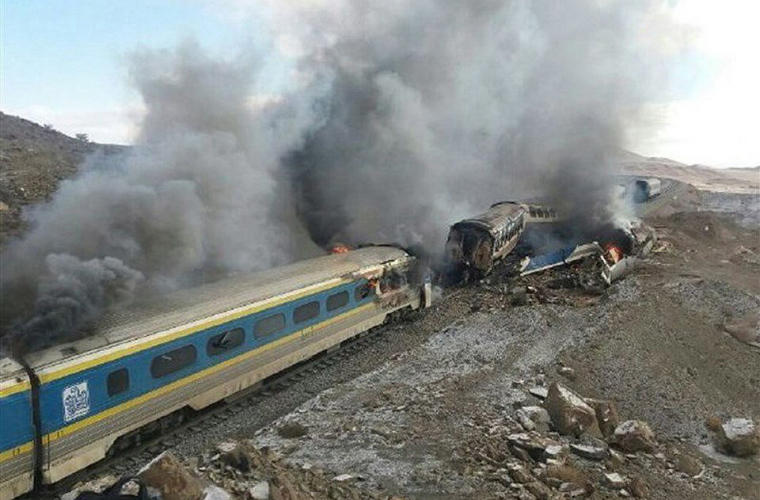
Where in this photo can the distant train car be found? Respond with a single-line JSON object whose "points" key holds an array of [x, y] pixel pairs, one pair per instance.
{"points": [[144, 366], [646, 189], [479, 242]]}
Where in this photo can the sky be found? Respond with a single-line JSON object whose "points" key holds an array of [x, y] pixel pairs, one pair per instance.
{"points": [[62, 63]]}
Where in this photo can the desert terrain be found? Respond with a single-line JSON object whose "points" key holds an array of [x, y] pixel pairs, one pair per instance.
{"points": [[456, 401]]}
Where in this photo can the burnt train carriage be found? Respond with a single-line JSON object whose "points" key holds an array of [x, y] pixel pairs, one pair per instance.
{"points": [[479, 242], [188, 350]]}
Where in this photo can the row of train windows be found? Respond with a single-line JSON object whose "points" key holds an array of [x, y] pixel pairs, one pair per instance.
{"points": [[542, 212], [176, 359]]}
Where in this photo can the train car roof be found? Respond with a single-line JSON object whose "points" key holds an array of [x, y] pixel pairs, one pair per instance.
{"points": [[146, 317], [495, 215]]}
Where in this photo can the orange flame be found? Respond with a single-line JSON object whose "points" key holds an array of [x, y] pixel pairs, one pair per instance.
{"points": [[339, 248], [613, 253]]}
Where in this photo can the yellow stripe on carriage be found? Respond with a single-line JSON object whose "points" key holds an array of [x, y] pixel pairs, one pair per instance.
{"points": [[19, 387], [195, 376], [180, 332], [18, 450]]}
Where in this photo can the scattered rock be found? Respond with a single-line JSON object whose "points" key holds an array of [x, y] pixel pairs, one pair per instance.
{"points": [[234, 455], [688, 465], [215, 493], [535, 417], [606, 415], [634, 435], [260, 491], [616, 459], [171, 478], [573, 477], [96, 485], [292, 430], [638, 488], [554, 451], [739, 437], [567, 372], [343, 477], [519, 474], [569, 413], [589, 451], [539, 392], [539, 490], [615, 480], [713, 423]]}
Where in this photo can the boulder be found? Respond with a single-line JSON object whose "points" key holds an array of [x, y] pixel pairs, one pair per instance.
{"points": [[739, 437], [568, 411], [634, 435], [606, 415], [167, 474]]}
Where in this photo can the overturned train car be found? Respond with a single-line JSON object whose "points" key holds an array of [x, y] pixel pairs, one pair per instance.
{"points": [[476, 244], [144, 368]]}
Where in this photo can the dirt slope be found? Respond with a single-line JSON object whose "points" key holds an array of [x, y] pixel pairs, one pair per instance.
{"points": [[33, 160], [732, 180]]}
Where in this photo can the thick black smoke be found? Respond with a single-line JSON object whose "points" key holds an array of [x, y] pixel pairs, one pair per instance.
{"points": [[198, 197], [401, 117], [438, 108]]}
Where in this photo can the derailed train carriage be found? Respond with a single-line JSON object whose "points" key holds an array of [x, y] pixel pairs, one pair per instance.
{"points": [[475, 244], [145, 367]]}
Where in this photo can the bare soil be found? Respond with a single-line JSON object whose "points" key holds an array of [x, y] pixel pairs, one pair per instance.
{"points": [[429, 421], [33, 161]]}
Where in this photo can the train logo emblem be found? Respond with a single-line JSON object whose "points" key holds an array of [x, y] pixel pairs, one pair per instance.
{"points": [[76, 401]]}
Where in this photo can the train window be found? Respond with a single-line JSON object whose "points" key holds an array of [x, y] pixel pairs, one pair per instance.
{"points": [[306, 312], [117, 381], [337, 300], [269, 325], [224, 342], [173, 361]]}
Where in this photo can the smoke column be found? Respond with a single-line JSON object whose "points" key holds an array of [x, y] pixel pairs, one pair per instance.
{"points": [[438, 108], [401, 117], [198, 197]]}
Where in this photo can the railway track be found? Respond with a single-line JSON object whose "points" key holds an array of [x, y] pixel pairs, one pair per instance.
{"points": [[143, 445]]}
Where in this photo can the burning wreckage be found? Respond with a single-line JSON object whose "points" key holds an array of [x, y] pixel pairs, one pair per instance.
{"points": [[613, 259], [474, 245]]}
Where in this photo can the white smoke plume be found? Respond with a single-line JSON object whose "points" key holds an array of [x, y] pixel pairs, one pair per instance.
{"points": [[401, 117]]}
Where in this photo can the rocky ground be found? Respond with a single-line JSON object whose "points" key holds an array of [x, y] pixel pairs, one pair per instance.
{"points": [[643, 381], [511, 387], [33, 160]]}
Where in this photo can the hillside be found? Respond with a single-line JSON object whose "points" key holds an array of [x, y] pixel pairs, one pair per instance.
{"points": [[731, 180], [33, 160]]}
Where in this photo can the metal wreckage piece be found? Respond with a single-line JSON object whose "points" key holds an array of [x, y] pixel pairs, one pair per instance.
{"points": [[614, 262]]}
